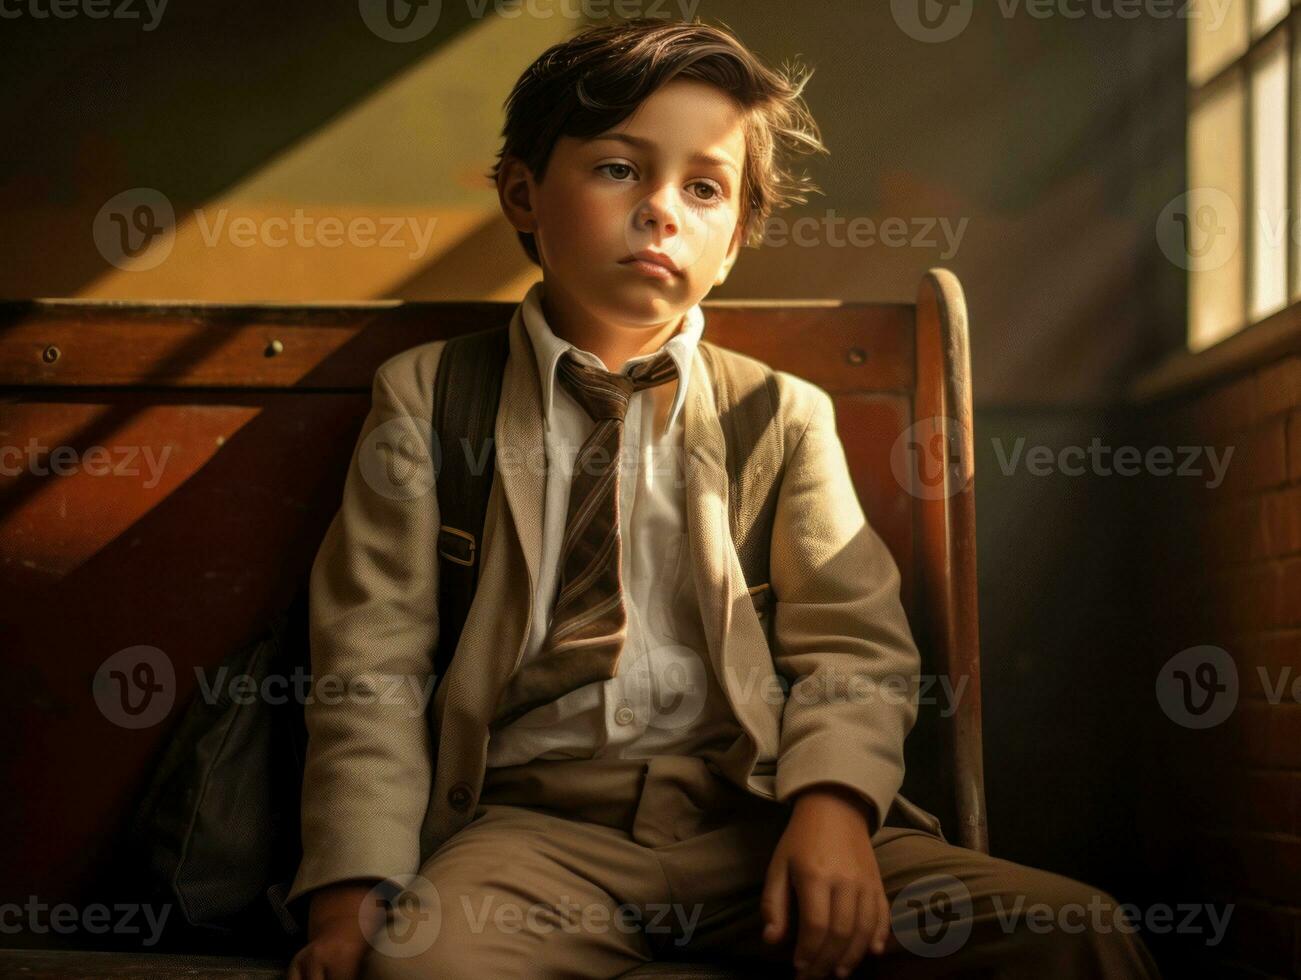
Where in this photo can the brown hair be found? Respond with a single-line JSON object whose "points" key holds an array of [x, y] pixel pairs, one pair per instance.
{"points": [[583, 86]]}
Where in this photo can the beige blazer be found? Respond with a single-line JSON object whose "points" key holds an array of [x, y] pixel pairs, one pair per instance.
{"points": [[376, 803]]}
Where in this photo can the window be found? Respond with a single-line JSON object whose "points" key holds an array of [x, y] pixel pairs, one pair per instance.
{"points": [[1244, 117]]}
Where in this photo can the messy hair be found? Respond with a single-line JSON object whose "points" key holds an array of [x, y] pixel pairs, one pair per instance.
{"points": [[593, 81]]}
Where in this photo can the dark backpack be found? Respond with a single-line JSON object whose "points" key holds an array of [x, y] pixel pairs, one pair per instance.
{"points": [[217, 832]]}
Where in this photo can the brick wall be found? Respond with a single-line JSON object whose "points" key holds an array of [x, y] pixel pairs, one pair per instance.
{"points": [[1224, 818]]}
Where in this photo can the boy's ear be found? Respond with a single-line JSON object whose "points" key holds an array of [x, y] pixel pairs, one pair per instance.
{"points": [[515, 192]]}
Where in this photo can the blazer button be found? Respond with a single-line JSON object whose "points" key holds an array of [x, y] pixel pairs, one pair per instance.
{"points": [[460, 796]]}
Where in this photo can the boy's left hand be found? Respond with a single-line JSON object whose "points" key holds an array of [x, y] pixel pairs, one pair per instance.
{"points": [[826, 856]]}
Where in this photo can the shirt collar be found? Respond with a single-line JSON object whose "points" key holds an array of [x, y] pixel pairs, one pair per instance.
{"points": [[548, 349]]}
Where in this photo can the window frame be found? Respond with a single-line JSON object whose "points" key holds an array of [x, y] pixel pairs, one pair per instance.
{"points": [[1201, 91]]}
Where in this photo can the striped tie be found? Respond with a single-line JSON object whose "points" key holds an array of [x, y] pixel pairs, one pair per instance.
{"points": [[589, 622]]}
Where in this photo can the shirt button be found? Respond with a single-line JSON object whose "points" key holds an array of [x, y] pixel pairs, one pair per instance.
{"points": [[623, 714], [460, 796]]}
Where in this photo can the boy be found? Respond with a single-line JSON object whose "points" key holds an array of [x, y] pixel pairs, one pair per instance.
{"points": [[569, 820]]}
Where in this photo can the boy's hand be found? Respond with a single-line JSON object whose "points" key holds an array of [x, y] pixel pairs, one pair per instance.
{"points": [[340, 926], [826, 856]]}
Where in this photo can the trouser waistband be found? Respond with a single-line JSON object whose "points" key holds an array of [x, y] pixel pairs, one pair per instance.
{"points": [[658, 800]]}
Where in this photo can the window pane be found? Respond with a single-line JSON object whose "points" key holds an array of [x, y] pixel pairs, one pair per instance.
{"points": [[1217, 33], [1210, 215], [1269, 111], [1266, 15]]}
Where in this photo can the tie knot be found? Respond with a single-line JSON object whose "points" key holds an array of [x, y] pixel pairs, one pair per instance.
{"points": [[604, 394]]}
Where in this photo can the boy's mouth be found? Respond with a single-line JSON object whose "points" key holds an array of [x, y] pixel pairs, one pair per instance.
{"points": [[652, 263]]}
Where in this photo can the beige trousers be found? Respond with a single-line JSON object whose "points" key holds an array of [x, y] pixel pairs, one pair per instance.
{"points": [[590, 868]]}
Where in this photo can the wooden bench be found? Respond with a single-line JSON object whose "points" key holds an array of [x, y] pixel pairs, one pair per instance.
{"points": [[169, 471]]}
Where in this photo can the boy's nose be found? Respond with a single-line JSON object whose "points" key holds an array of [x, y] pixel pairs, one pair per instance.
{"points": [[660, 210]]}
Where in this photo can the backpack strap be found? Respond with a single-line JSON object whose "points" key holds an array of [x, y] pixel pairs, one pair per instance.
{"points": [[745, 390], [467, 387]]}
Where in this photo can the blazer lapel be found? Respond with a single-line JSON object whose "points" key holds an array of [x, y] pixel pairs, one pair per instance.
{"points": [[737, 645], [708, 538], [521, 456]]}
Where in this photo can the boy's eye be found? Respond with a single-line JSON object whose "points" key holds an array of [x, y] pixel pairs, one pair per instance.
{"points": [[616, 166], [714, 191]]}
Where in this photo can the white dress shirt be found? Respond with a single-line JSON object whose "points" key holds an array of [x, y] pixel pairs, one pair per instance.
{"points": [[664, 697]]}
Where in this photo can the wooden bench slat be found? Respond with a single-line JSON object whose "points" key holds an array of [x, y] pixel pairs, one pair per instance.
{"points": [[59, 964]]}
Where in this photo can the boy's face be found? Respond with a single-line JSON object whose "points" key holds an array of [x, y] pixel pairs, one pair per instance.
{"points": [[666, 180]]}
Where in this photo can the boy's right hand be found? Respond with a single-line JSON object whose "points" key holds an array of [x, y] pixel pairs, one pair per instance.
{"points": [[341, 925]]}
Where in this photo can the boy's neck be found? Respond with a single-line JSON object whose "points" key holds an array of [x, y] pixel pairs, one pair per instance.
{"points": [[614, 345]]}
